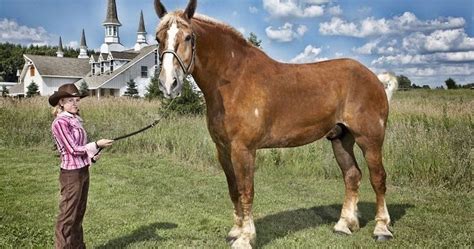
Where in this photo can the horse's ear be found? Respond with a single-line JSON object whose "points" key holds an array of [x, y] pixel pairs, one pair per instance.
{"points": [[189, 12], [160, 9]]}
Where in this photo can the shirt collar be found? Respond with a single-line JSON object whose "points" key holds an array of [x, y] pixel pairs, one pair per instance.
{"points": [[70, 115]]}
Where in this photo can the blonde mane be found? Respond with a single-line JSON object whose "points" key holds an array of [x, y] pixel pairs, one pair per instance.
{"points": [[176, 17]]}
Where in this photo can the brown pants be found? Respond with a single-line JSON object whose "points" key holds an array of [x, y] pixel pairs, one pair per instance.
{"points": [[72, 206]]}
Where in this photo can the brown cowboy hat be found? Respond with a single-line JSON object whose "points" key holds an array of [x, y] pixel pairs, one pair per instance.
{"points": [[64, 91]]}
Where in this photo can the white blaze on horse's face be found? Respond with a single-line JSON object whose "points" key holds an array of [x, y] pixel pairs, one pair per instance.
{"points": [[168, 75]]}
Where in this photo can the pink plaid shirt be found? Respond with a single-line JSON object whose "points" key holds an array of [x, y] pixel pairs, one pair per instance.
{"points": [[71, 141]]}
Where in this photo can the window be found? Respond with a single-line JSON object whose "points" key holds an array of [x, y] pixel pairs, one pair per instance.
{"points": [[102, 67], [93, 68], [156, 57], [111, 66], [112, 91], [115, 31], [32, 71], [144, 72]]}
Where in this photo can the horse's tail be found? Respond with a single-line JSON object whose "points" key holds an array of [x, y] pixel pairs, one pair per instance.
{"points": [[390, 82]]}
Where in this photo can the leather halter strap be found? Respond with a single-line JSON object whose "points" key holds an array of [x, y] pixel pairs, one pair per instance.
{"points": [[180, 61]]}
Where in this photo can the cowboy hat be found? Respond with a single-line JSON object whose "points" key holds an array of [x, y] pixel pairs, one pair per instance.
{"points": [[64, 91]]}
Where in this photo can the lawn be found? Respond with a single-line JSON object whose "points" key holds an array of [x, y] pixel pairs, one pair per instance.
{"points": [[150, 200]]}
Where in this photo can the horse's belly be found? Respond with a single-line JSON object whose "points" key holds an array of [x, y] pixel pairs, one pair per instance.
{"points": [[296, 136]]}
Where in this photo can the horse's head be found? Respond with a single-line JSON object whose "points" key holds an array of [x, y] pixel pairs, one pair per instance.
{"points": [[176, 47]]}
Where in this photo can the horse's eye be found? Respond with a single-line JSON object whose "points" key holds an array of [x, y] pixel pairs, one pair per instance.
{"points": [[188, 38]]}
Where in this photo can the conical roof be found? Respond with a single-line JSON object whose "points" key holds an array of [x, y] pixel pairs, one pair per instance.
{"points": [[111, 17], [141, 25], [83, 39], [60, 46]]}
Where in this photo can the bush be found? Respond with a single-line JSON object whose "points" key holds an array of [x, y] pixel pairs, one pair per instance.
{"points": [[189, 103]]}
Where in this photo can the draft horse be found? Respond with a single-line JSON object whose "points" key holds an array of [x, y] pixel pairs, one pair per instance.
{"points": [[255, 102]]}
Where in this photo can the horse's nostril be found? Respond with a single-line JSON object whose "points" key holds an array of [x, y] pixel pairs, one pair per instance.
{"points": [[175, 83]]}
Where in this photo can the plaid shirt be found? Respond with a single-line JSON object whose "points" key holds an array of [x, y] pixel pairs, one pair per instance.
{"points": [[71, 141]]}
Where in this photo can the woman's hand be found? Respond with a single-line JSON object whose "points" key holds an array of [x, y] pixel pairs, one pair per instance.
{"points": [[104, 143], [96, 158]]}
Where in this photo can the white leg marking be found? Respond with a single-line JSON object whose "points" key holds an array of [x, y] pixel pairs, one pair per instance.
{"points": [[256, 112], [247, 238]]}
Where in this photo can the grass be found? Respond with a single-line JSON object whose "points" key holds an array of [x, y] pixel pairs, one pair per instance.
{"points": [[164, 188], [147, 200]]}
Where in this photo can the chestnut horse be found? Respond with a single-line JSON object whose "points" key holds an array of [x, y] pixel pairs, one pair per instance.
{"points": [[255, 102]]}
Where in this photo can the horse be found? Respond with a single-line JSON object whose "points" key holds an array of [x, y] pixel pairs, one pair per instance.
{"points": [[254, 102]]}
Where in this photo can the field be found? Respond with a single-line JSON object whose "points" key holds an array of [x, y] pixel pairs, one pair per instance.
{"points": [[164, 188]]}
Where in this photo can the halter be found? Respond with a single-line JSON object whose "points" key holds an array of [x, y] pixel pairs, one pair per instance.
{"points": [[181, 63]]}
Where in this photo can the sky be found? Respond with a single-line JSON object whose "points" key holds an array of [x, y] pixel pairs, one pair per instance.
{"points": [[426, 40]]}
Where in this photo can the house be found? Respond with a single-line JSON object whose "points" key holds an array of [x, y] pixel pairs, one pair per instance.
{"points": [[106, 73]]}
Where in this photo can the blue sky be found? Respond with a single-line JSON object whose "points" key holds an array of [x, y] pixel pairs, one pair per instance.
{"points": [[428, 41]]}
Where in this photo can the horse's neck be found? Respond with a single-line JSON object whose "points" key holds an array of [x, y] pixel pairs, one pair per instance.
{"points": [[219, 56]]}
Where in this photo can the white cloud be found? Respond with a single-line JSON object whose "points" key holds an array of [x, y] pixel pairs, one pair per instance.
{"points": [[294, 8], [335, 10], [285, 33], [241, 30], [375, 47], [253, 9], [370, 26], [439, 41], [367, 48], [417, 59], [310, 54], [73, 44], [12, 32]]}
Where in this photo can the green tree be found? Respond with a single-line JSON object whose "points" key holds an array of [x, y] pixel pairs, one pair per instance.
{"points": [[451, 84], [84, 88], [153, 89], [32, 90], [254, 40], [131, 89], [4, 91], [189, 103], [404, 82]]}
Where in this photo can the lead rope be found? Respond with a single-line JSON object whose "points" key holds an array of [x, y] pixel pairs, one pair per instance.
{"points": [[165, 113]]}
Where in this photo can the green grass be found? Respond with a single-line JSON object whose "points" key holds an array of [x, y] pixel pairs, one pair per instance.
{"points": [[164, 187], [147, 200]]}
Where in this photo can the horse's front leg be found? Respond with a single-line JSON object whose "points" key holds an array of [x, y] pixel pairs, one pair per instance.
{"points": [[224, 156], [243, 164]]}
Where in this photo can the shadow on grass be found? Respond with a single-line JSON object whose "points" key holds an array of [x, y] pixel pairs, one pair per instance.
{"points": [[144, 233], [281, 224]]}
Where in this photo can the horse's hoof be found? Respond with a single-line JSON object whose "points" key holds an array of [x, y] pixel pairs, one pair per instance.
{"points": [[341, 233], [382, 237], [230, 239]]}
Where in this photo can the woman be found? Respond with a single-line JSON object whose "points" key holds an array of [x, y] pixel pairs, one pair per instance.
{"points": [[76, 157]]}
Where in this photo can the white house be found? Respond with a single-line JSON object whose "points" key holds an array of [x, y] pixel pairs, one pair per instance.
{"points": [[105, 73]]}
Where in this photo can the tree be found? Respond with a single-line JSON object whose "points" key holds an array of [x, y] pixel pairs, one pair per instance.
{"points": [[131, 89], [403, 82], [32, 90], [4, 91], [254, 40], [190, 101], [84, 88], [451, 84], [153, 89]]}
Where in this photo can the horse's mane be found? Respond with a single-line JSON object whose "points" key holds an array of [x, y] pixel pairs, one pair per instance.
{"points": [[176, 16], [219, 24]]}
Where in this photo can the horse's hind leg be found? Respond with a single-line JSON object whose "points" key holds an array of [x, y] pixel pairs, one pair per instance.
{"points": [[372, 149], [344, 152]]}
